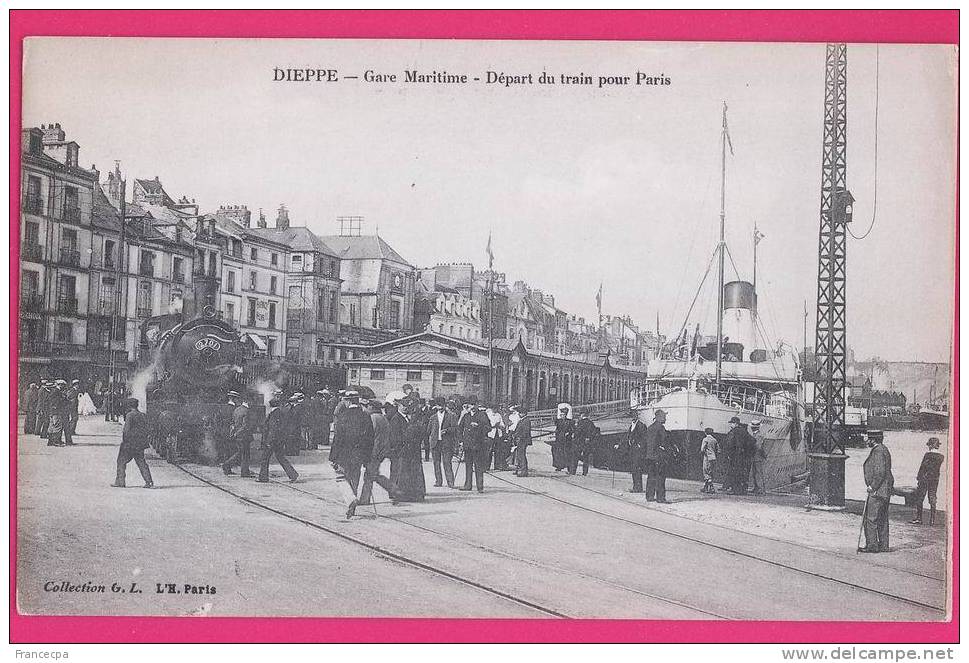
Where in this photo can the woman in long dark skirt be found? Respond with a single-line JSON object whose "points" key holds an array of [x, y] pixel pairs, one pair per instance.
{"points": [[410, 469]]}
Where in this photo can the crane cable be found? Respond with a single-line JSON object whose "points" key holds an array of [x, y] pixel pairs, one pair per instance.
{"points": [[874, 206]]}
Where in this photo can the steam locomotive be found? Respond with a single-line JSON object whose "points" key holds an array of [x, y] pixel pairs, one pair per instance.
{"points": [[193, 364]]}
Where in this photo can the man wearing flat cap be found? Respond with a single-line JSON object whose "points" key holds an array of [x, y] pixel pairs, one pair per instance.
{"points": [[928, 480], [879, 482], [134, 441]]}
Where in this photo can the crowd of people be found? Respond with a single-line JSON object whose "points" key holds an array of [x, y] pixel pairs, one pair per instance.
{"points": [[408, 430], [362, 433], [51, 410]]}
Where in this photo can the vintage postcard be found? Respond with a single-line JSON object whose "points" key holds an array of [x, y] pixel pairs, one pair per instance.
{"points": [[482, 329]]}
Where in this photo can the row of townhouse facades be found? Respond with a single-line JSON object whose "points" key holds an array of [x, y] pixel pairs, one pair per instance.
{"points": [[99, 258]]}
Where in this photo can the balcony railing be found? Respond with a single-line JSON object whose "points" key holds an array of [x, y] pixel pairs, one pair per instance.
{"points": [[107, 305], [72, 214], [32, 251], [251, 321], [69, 256], [32, 303], [33, 205], [178, 277], [67, 305], [144, 312], [146, 270]]}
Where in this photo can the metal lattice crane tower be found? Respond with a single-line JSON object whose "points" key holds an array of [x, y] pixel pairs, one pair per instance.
{"points": [[828, 438]]}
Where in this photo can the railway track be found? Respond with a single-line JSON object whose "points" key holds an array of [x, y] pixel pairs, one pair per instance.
{"points": [[740, 553], [564, 479], [544, 610], [380, 550], [509, 555]]}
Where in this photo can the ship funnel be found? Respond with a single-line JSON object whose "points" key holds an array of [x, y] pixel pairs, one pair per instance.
{"points": [[740, 321]]}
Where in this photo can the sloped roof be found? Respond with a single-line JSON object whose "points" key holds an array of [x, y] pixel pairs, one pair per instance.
{"points": [[363, 247], [423, 353], [103, 213], [298, 239], [155, 187]]}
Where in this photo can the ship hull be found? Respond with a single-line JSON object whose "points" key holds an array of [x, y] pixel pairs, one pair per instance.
{"points": [[689, 413]]}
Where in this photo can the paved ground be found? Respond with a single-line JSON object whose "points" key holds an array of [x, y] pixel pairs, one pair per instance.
{"points": [[575, 546]]}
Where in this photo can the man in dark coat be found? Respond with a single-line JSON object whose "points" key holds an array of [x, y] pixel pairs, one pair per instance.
{"points": [[57, 419], [636, 452], [879, 482], [564, 437], [522, 433], [275, 434], [658, 455], [313, 412], [357, 433], [585, 433], [338, 445], [733, 450], [72, 396], [43, 408], [30, 408], [296, 411], [134, 441], [927, 480], [442, 428], [381, 450], [240, 433], [477, 448]]}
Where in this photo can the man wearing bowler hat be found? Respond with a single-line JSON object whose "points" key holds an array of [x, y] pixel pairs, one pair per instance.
{"points": [[879, 482], [658, 458]]}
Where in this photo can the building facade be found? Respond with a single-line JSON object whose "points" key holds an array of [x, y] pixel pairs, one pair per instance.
{"points": [[254, 293], [379, 289], [313, 289], [67, 243]]}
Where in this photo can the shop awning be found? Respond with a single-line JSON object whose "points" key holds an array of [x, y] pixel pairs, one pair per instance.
{"points": [[257, 341]]}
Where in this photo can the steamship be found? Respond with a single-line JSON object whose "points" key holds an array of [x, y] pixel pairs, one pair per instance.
{"points": [[702, 383]]}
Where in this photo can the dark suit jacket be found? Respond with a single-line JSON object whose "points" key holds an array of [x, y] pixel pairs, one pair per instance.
{"points": [[878, 472], [523, 432], [134, 435], [449, 427], [657, 442]]}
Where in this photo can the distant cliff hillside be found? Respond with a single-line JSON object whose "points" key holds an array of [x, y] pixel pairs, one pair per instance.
{"points": [[915, 379]]}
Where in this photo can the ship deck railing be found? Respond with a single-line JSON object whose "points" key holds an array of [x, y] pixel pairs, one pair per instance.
{"points": [[750, 399]]}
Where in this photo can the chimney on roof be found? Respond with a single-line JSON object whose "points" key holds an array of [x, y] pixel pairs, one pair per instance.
{"points": [[238, 213], [282, 218], [53, 133], [262, 219]]}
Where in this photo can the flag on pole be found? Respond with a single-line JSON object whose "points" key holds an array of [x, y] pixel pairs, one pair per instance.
{"points": [[726, 131], [599, 298], [491, 256], [758, 235]]}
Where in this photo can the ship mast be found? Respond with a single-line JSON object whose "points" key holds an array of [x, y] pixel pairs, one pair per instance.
{"points": [[724, 142]]}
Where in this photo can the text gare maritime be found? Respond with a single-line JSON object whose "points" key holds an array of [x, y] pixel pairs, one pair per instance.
{"points": [[415, 76]]}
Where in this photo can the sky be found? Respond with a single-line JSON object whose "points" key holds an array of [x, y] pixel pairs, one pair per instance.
{"points": [[576, 184]]}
